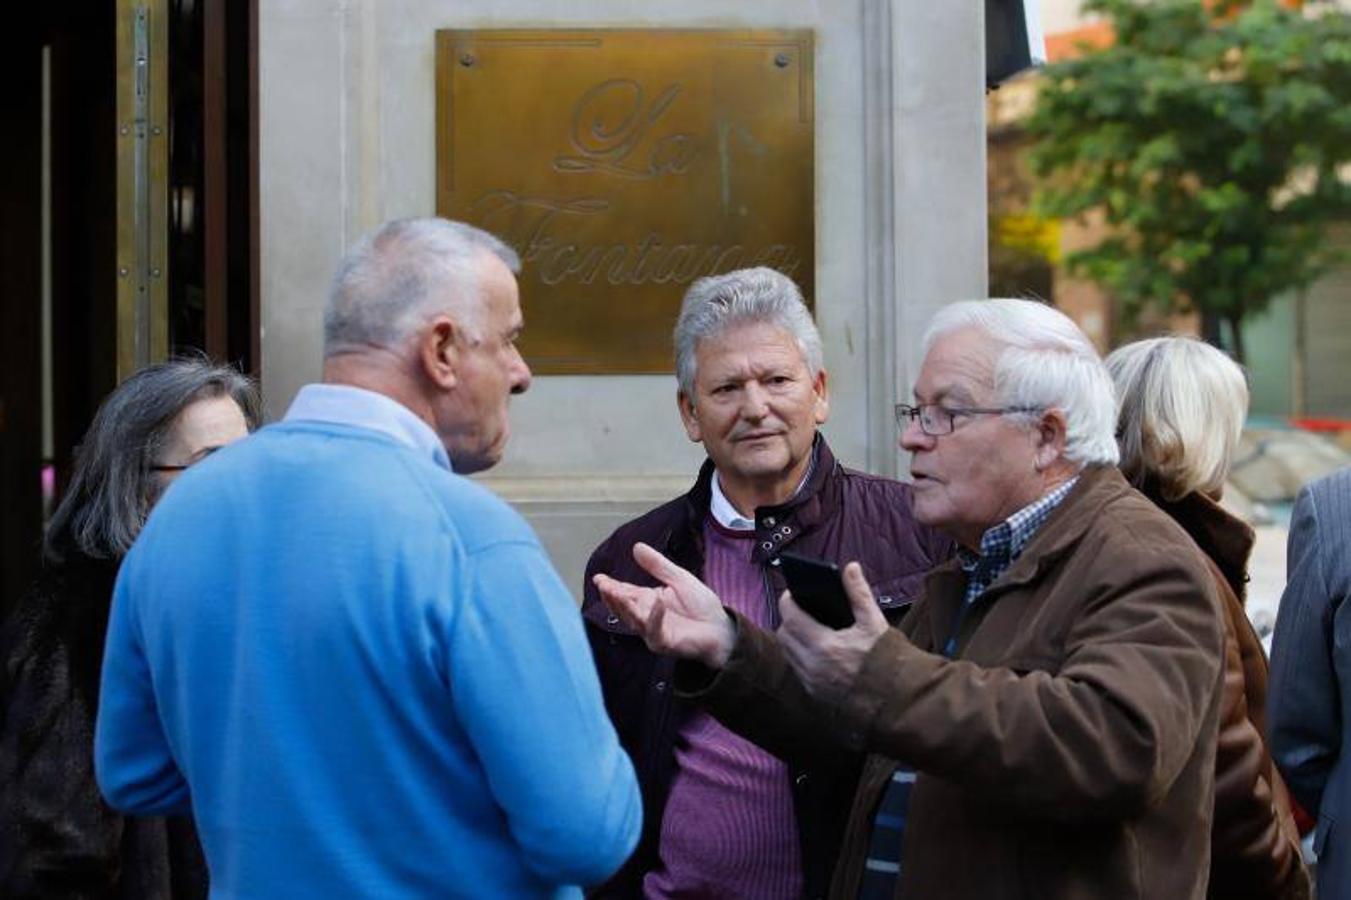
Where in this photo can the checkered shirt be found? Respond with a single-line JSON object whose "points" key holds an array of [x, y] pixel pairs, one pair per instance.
{"points": [[1000, 546]]}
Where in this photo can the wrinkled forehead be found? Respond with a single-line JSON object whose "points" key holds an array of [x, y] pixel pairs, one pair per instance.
{"points": [[756, 339], [959, 368]]}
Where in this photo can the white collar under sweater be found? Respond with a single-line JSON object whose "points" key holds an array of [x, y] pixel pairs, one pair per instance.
{"points": [[726, 515], [343, 404]]}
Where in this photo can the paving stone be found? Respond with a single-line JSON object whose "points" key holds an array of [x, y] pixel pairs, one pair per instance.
{"points": [[1272, 465]]}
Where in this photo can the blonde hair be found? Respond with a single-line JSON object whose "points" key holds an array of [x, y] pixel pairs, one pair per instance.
{"points": [[1180, 410]]}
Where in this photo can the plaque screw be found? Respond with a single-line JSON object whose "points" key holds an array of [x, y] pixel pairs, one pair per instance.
{"points": [[467, 60], [157, 131], [122, 272], [125, 130], [154, 273], [781, 60]]}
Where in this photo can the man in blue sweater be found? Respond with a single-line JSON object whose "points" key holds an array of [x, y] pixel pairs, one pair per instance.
{"points": [[354, 667]]}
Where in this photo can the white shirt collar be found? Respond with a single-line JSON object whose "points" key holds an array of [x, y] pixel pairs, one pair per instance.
{"points": [[726, 515], [343, 404]]}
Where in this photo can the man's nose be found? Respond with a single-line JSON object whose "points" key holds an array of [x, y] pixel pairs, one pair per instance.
{"points": [[520, 373], [913, 437], [754, 401]]}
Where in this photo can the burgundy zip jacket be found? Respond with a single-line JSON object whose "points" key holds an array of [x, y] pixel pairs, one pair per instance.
{"points": [[840, 515]]}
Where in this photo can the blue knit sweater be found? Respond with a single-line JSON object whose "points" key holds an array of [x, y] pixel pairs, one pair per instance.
{"points": [[362, 676]]}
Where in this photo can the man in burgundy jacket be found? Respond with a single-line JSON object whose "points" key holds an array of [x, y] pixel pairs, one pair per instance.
{"points": [[722, 816]]}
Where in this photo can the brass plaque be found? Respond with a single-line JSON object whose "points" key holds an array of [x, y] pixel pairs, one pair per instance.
{"points": [[622, 165]]}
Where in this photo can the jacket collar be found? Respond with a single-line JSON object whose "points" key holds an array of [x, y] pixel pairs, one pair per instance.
{"points": [[946, 585], [1225, 538], [818, 499], [1067, 524]]}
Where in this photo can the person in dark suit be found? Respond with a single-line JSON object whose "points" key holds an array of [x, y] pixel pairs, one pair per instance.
{"points": [[1309, 705]]}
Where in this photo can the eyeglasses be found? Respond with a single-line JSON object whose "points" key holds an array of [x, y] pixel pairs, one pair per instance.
{"points": [[165, 467], [936, 420]]}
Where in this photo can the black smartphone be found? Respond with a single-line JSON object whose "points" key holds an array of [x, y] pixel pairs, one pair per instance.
{"points": [[818, 588]]}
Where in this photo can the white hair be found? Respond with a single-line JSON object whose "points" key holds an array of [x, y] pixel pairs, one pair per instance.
{"points": [[714, 304], [1181, 405], [405, 271], [1044, 362]]}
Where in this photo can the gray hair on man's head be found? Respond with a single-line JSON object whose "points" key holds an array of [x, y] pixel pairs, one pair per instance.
{"points": [[401, 274], [717, 303], [113, 485], [1181, 406], [1044, 362]]}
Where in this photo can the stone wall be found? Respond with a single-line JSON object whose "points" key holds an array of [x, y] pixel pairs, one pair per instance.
{"points": [[347, 141]]}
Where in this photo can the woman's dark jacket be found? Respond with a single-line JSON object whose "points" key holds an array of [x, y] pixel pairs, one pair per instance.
{"points": [[1254, 851], [839, 515], [58, 839]]}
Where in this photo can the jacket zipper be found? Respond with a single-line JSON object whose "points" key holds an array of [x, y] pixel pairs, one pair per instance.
{"points": [[773, 607]]}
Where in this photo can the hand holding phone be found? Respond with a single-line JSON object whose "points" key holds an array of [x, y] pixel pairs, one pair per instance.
{"points": [[818, 588]]}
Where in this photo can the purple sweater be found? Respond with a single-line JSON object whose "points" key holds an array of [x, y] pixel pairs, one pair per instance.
{"points": [[729, 828]]}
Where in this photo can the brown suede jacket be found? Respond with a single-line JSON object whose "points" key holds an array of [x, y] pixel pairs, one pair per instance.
{"points": [[1254, 846], [1066, 753]]}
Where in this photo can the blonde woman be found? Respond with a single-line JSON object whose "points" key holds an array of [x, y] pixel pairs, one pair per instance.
{"points": [[1181, 405]]}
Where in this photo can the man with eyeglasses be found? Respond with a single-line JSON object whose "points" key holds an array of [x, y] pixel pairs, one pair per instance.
{"points": [[1043, 723]]}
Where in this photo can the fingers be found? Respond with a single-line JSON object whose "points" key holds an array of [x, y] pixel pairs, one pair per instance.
{"points": [[613, 589], [804, 641], [689, 596], [861, 600], [805, 628], [652, 634], [637, 607], [658, 566], [857, 587], [628, 601], [796, 621]]}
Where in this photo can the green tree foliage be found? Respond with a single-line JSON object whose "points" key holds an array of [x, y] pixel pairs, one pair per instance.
{"points": [[1215, 142]]}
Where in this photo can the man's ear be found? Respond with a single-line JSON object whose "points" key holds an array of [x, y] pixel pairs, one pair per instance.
{"points": [[1052, 432], [438, 351], [822, 410], [686, 407]]}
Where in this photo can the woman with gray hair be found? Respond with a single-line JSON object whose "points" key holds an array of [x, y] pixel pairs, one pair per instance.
{"points": [[57, 836], [1181, 405]]}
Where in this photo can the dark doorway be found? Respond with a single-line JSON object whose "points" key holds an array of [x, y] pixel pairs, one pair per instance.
{"points": [[59, 220], [212, 216]]}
